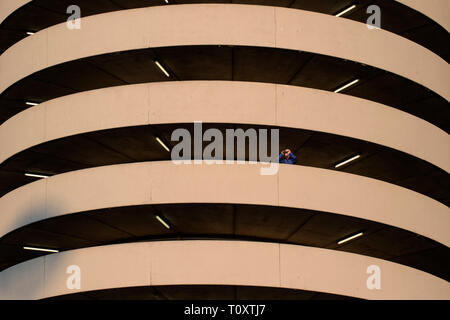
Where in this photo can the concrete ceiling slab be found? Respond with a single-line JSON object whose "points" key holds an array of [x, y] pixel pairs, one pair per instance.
{"points": [[225, 221]]}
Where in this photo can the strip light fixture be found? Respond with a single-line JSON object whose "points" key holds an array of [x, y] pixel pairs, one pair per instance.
{"points": [[351, 237], [164, 223], [346, 86], [347, 161], [40, 249], [36, 175], [162, 143], [30, 33], [162, 68], [346, 10], [29, 103]]}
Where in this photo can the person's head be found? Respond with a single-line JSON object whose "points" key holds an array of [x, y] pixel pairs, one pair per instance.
{"points": [[286, 152]]}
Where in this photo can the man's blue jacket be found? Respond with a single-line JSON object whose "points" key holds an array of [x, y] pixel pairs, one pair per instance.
{"points": [[291, 160]]}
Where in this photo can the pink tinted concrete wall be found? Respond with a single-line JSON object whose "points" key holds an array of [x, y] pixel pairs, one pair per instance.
{"points": [[216, 24], [164, 182], [210, 101], [7, 7], [218, 263], [437, 10]]}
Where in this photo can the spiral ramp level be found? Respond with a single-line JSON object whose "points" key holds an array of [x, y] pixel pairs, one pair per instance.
{"points": [[87, 109]]}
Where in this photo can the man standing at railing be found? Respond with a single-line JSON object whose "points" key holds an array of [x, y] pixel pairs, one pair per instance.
{"points": [[286, 156]]}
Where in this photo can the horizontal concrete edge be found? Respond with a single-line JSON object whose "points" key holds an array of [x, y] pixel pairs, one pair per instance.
{"points": [[225, 24], [436, 10], [7, 7], [209, 262], [164, 182], [210, 101]]}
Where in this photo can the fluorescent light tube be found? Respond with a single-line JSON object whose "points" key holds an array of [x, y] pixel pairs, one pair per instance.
{"points": [[162, 69], [36, 175], [346, 10], [29, 103], [350, 238], [40, 249], [30, 33], [347, 161], [165, 224], [346, 86], [162, 143]]}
